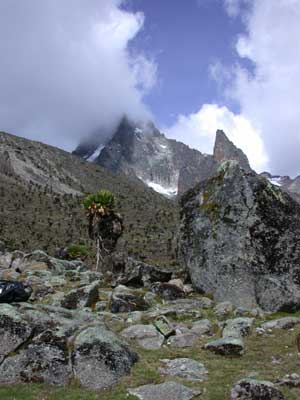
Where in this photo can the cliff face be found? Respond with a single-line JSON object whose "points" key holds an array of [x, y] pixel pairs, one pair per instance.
{"points": [[224, 150], [239, 238]]}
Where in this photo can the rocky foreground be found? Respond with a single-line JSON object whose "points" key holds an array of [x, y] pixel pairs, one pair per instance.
{"points": [[145, 336]]}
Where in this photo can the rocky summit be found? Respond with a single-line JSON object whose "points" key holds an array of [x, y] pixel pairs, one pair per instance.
{"points": [[239, 239], [142, 152]]}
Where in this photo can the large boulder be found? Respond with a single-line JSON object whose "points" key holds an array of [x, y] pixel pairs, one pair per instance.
{"points": [[54, 345], [239, 239]]}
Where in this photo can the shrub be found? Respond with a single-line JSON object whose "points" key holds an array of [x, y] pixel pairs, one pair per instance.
{"points": [[77, 251], [103, 198]]}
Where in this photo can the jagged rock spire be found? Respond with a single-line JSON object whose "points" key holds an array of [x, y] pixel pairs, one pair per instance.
{"points": [[224, 150]]}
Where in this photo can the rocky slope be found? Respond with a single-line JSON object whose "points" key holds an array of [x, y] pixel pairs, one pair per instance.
{"points": [[41, 189], [141, 151], [135, 341], [239, 238]]}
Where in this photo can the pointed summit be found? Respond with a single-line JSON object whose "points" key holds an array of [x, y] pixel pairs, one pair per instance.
{"points": [[224, 150]]}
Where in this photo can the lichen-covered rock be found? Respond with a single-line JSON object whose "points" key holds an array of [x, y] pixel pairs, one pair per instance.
{"points": [[100, 359], [239, 239], [45, 360], [13, 330], [251, 389], [49, 344]]}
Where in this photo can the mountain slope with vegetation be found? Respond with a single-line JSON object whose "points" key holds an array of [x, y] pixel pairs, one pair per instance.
{"points": [[41, 190]]}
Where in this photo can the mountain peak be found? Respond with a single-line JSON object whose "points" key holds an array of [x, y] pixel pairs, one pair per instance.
{"points": [[224, 150]]}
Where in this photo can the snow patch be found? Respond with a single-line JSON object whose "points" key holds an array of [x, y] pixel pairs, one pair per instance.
{"points": [[275, 181], [138, 130], [163, 146], [167, 191], [96, 153]]}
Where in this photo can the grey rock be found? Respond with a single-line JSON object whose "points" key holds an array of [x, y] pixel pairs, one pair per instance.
{"points": [[5, 260], [227, 346], [146, 336], [237, 327], [290, 380], [14, 331], [44, 360], [239, 239], [185, 368], [99, 358], [137, 273], [202, 327], [251, 389], [86, 296], [167, 291], [2, 247], [224, 308], [281, 323], [135, 317], [101, 306], [183, 339], [126, 300], [164, 391]]}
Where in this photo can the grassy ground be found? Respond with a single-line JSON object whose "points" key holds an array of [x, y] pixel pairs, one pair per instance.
{"points": [[261, 351]]}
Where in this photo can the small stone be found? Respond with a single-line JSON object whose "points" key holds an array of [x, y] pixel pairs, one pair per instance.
{"points": [[101, 306], [281, 323], [135, 317], [251, 389], [228, 346], [146, 336], [127, 300], [292, 380], [202, 327], [164, 391], [187, 339], [167, 291], [185, 368], [237, 327], [224, 308]]}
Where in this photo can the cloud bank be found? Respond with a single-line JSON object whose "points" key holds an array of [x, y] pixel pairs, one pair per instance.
{"points": [[66, 69], [198, 130], [270, 96]]}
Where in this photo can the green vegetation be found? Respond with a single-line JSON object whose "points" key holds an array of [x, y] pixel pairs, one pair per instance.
{"points": [[77, 251], [101, 199]]}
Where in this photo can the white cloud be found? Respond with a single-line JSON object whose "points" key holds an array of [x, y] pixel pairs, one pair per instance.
{"points": [[270, 95], [198, 131], [66, 69], [233, 7]]}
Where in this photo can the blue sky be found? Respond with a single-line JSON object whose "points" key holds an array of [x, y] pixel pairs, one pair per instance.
{"points": [[185, 38]]}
